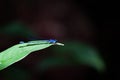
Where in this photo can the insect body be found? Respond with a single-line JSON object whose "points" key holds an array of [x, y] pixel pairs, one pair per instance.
{"points": [[39, 42]]}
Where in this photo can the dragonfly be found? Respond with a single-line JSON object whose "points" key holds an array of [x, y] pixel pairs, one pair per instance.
{"points": [[39, 42]]}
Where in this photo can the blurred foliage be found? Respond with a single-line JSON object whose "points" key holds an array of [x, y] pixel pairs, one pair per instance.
{"points": [[17, 28], [73, 53], [16, 73]]}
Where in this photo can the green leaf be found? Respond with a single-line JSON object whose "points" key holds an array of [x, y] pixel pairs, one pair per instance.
{"points": [[20, 51]]}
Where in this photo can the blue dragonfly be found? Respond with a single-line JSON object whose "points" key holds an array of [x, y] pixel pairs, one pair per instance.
{"points": [[38, 42]]}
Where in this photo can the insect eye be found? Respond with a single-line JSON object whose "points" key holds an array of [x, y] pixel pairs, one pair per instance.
{"points": [[52, 41]]}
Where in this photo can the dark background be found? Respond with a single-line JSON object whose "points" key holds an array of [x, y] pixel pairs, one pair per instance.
{"points": [[87, 21]]}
